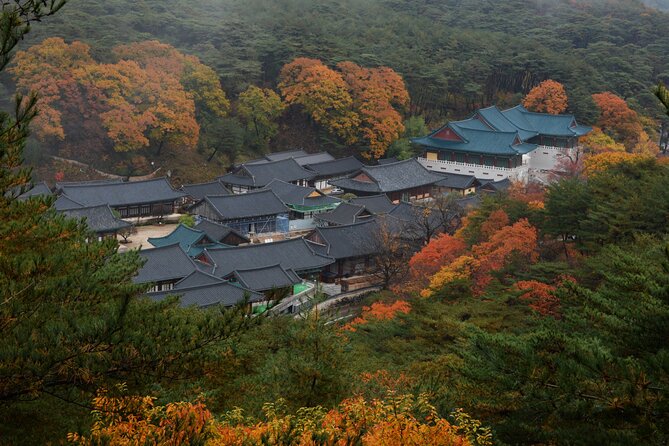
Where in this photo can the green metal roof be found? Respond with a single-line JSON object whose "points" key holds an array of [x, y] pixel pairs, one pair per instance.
{"points": [[494, 132], [192, 241], [479, 141]]}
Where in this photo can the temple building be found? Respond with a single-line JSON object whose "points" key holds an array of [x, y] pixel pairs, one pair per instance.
{"points": [[496, 144]]}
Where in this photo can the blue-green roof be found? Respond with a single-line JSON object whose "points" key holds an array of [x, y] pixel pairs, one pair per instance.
{"points": [[544, 123], [479, 141], [495, 132], [192, 241], [496, 119]]}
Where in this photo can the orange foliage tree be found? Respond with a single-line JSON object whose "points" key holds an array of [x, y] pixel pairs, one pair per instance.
{"points": [[623, 124], [547, 97], [152, 95], [359, 105], [395, 420], [379, 311], [377, 94], [441, 250], [517, 242], [541, 297], [531, 193], [323, 93]]}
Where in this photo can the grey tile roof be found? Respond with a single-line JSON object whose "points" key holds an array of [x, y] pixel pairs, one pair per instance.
{"points": [[292, 194], [163, 264], [347, 241], [260, 175], [344, 214], [198, 191], [295, 254], [300, 156], [217, 231], [208, 295], [496, 186], [37, 190], [100, 219], [197, 278], [455, 181], [387, 160], [376, 204], [122, 194], [391, 177], [63, 203], [266, 278], [413, 218], [251, 204], [341, 166]]}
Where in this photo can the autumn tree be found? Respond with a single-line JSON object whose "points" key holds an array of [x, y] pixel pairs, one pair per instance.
{"points": [[259, 108], [513, 244], [394, 420], [377, 94], [597, 141], [441, 250], [359, 105], [541, 297], [324, 95], [547, 97], [602, 361], [622, 123], [153, 96]]}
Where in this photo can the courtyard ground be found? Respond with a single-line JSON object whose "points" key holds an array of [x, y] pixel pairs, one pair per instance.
{"points": [[143, 233]]}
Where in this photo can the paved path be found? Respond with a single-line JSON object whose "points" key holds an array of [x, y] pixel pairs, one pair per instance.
{"points": [[143, 233]]}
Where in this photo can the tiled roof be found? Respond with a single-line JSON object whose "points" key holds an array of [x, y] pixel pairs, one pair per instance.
{"points": [[191, 240], [63, 203], [37, 190], [99, 219], [300, 156], [503, 132], [354, 240], [197, 278], [292, 194], [479, 141], [260, 175], [217, 231], [341, 166], [344, 214], [222, 293], [391, 177], [456, 181], [388, 160], [496, 186], [199, 190], [376, 204], [544, 123], [295, 254], [266, 278], [163, 264], [121, 194], [251, 204]]}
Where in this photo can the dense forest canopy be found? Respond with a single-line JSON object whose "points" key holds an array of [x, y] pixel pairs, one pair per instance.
{"points": [[453, 54]]}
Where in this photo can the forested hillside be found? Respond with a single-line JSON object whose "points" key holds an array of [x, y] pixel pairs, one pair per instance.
{"points": [[453, 54], [662, 5]]}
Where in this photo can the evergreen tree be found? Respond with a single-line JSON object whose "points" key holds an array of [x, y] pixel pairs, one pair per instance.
{"points": [[71, 320], [598, 376]]}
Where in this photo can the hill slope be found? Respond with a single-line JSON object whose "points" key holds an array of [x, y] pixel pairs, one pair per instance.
{"points": [[454, 54]]}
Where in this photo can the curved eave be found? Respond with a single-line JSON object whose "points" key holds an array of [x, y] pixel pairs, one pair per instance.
{"points": [[468, 148]]}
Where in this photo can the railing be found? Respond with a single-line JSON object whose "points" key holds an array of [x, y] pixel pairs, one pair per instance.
{"points": [[477, 170], [457, 163]]}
